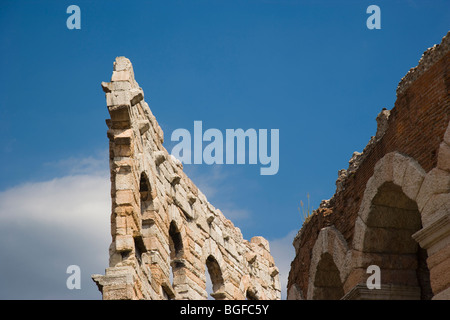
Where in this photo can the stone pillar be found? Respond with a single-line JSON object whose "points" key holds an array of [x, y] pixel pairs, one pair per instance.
{"points": [[435, 238], [435, 235]]}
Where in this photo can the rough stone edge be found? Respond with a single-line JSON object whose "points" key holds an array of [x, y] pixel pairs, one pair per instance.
{"points": [[429, 57]]}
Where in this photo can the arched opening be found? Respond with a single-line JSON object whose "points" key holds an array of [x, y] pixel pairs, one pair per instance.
{"points": [[327, 281], [216, 277], [175, 241], [393, 219], [167, 293], [176, 256], [145, 193], [250, 295], [139, 248]]}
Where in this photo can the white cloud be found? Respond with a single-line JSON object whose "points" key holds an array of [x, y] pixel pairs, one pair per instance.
{"points": [[47, 226], [283, 253]]}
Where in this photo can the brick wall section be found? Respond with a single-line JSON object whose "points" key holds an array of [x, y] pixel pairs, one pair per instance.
{"points": [[416, 127]]}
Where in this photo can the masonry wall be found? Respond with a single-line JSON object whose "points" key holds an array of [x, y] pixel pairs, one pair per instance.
{"points": [[165, 233], [413, 132]]}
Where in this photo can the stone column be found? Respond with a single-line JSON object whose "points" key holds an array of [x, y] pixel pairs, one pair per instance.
{"points": [[435, 238]]}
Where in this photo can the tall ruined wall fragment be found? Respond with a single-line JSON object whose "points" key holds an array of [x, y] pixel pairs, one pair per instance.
{"points": [[392, 205], [164, 231]]}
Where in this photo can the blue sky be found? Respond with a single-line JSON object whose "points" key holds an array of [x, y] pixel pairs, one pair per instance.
{"points": [[311, 69]]}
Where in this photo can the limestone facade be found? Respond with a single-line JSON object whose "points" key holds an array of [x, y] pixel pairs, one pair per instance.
{"points": [[165, 233], [392, 205]]}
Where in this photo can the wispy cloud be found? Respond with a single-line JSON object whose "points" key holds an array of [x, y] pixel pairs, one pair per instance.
{"points": [[95, 164]]}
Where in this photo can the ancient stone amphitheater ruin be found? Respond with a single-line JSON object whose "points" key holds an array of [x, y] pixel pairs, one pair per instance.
{"points": [[164, 231], [392, 205], [391, 209]]}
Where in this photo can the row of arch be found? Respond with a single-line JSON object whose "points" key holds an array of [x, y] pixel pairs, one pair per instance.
{"points": [[215, 268], [399, 201]]}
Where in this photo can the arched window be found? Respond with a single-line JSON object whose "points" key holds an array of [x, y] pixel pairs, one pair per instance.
{"points": [[215, 274], [327, 282], [393, 219], [145, 193], [250, 295], [175, 241], [139, 248], [177, 274]]}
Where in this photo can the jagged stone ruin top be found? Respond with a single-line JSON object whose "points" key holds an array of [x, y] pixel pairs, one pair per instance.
{"points": [[429, 57], [162, 225]]}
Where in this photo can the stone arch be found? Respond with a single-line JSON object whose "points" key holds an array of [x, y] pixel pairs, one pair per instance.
{"points": [[393, 168], [175, 241], [175, 216], [251, 294], [216, 267], [390, 213], [146, 193], [218, 283], [328, 269], [144, 187], [177, 275]]}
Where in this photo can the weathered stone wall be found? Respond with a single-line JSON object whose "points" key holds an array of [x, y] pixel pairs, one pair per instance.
{"points": [[394, 196], [164, 231]]}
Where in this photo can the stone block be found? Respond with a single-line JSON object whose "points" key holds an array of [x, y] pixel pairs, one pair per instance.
{"points": [[439, 257], [122, 63], [383, 169], [174, 178], [117, 98], [358, 236], [143, 126], [124, 243], [413, 179], [120, 86], [440, 276], [400, 164], [273, 271], [125, 197], [125, 180], [436, 207], [443, 295], [184, 205], [436, 181], [160, 157], [261, 242], [120, 226], [123, 75], [136, 95]]}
